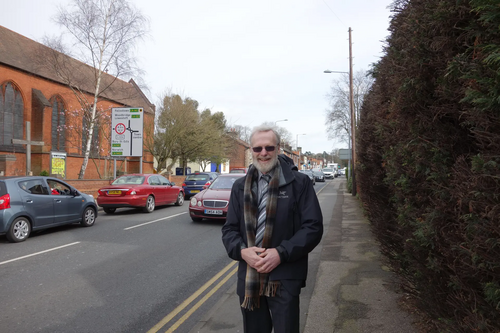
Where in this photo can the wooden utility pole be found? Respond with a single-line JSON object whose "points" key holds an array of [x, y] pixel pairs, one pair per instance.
{"points": [[353, 117]]}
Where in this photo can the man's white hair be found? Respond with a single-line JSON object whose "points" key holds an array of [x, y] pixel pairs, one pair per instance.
{"points": [[266, 128]]}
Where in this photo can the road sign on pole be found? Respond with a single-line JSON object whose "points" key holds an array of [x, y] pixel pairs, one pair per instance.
{"points": [[126, 131], [344, 154]]}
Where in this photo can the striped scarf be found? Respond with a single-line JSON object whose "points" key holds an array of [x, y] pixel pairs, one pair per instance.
{"points": [[257, 284]]}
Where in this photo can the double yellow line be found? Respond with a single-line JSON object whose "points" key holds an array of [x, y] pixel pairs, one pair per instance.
{"points": [[194, 296]]}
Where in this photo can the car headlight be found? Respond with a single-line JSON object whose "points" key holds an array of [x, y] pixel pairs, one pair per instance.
{"points": [[193, 201], [199, 203]]}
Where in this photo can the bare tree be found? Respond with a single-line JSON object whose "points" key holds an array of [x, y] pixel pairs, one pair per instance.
{"points": [[338, 116], [102, 34], [285, 135], [242, 132]]}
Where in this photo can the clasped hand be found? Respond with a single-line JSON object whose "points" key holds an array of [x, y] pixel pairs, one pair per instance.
{"points": [[261, 259]]}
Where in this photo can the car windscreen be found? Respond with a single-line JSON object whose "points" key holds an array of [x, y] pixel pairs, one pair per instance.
{"points": [[223, 183], [327, 170], [129, 180], [196, 177]]}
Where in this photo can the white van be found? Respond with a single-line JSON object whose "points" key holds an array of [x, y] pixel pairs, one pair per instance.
{"points": [[335, 167]]}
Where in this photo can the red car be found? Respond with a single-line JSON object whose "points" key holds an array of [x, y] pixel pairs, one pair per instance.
{"points": [[212, 203], [144, 191]]}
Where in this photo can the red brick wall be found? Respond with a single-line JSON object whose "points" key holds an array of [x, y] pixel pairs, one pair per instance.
{"points": [[237, 156], [88, 186], [238, 159], [178, 180]]}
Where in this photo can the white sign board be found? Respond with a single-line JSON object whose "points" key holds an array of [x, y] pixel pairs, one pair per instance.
{"points": [[126, 131], [344, 154]]}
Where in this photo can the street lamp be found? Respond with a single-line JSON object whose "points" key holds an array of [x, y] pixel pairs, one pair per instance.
{"points": [[353, 118], [297, 143], [329, 71]]}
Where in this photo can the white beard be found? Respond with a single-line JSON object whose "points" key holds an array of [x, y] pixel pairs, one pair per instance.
{"points": [[268, 167]]}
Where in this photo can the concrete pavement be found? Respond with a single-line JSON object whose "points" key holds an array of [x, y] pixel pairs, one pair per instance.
{"points": [[351, 291]]}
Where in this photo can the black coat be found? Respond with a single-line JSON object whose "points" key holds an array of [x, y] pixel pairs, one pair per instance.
{"points": [[297, 230]]}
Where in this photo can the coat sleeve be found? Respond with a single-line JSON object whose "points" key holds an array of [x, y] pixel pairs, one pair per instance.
{"points": [[232, 237], [310, 231]]}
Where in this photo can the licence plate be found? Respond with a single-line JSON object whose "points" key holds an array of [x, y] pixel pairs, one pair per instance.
{"points": [[195, 191], [213, 211], [114, 192]]}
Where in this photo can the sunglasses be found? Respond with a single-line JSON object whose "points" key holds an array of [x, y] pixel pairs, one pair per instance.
{"points": [[267, 148]]}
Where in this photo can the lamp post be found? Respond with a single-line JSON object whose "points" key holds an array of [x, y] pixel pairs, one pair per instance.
{"points": [[297, 143], [353, 118]]}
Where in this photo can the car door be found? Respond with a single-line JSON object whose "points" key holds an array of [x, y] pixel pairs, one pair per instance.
{"points": [[157, 190], [37, 202], [67, 206], [169, 191]]}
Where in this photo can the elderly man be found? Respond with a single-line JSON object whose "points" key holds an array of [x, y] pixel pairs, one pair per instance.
{"points": [[273, 221]]}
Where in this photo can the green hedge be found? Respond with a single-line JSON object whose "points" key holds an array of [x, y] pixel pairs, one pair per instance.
{"points": [[429, 158]]}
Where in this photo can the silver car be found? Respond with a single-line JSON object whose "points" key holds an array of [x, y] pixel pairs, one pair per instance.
{"points": [[328, 172], [35, 203]]}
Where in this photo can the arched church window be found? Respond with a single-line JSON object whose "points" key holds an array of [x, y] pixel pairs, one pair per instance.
{"points": [[58, 125], [11, 116]]}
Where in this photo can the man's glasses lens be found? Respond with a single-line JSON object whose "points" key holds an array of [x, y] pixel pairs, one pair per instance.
{"points": [[259, 149]]}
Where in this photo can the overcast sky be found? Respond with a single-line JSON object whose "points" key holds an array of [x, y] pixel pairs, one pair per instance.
{"points": [[256, 61]]}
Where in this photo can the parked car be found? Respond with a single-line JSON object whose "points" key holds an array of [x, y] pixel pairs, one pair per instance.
{"points": [[197, 182], [238, 170], [318, 175], [310, 174], [328, 172], [144, 191], [212, 173], [212, 202], [34, 203]]}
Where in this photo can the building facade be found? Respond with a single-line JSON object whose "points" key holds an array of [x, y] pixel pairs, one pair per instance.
{"points": [[44, 114]]}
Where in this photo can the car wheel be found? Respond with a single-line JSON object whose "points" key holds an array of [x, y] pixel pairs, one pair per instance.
{"points": [[196, 219], [109, 210], [88, 217], [19, 230], [150, 205], [180, 199]]}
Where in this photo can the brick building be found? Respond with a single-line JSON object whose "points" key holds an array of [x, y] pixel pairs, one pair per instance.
{"points": [[240, 155], [33, 90]]}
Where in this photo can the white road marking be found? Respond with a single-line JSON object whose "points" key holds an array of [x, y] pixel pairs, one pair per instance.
{"points": [[146, 223], [35, 254]]}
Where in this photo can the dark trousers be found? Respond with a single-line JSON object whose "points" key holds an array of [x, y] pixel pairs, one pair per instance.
{"points": [[281, 312]]}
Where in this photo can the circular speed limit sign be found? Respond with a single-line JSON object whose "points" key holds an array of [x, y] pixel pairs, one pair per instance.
{"points": [[120, 128]]}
